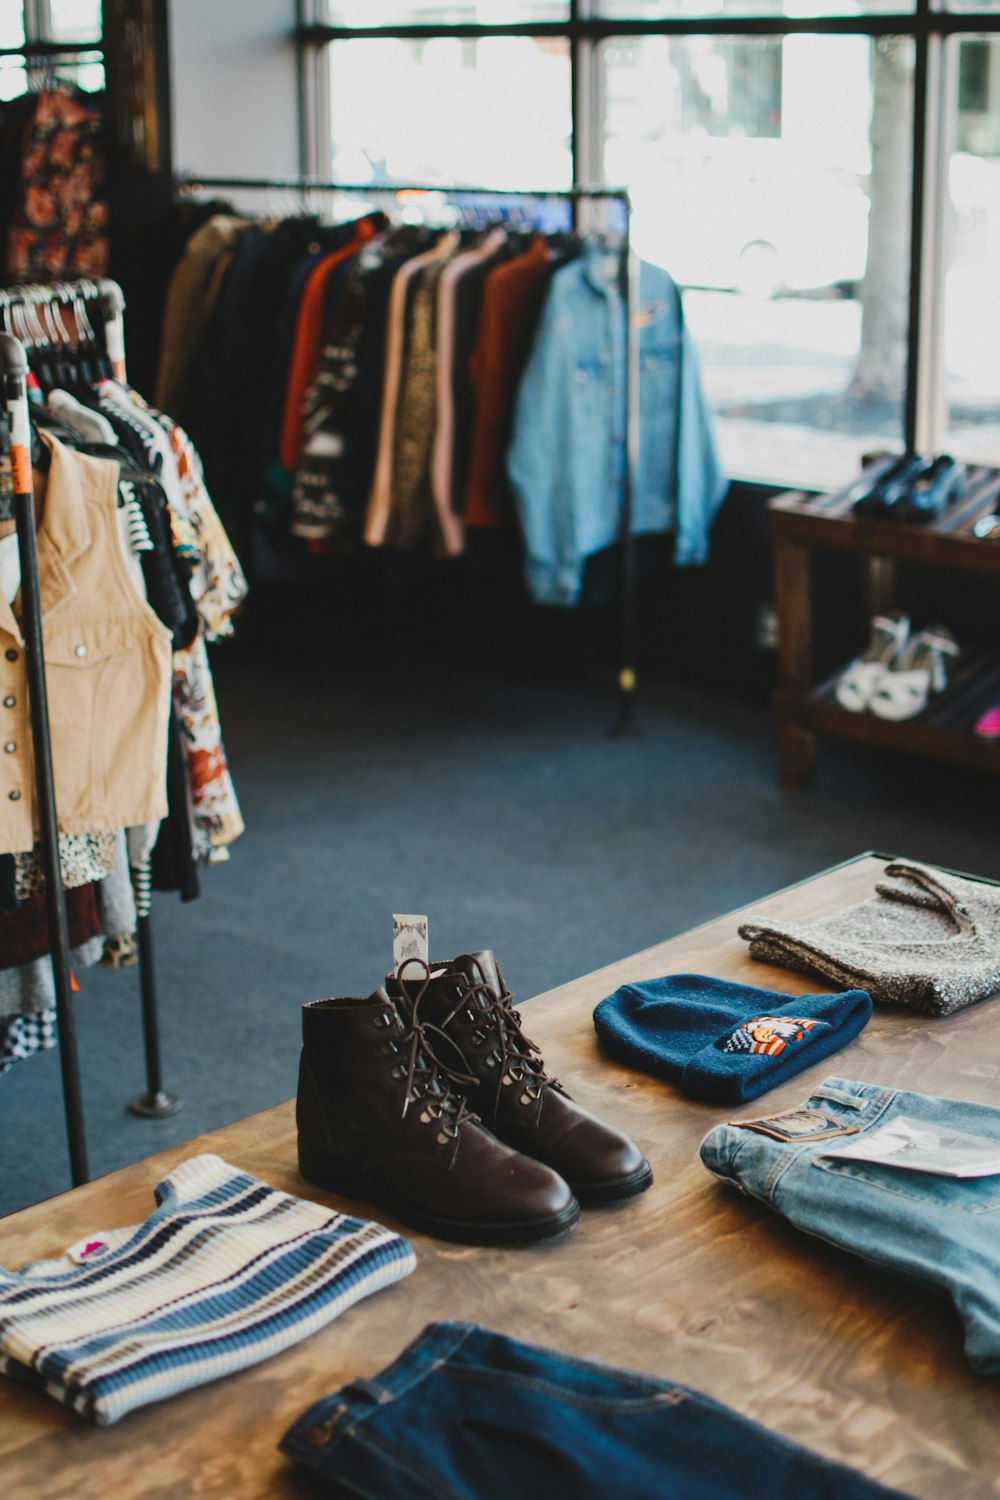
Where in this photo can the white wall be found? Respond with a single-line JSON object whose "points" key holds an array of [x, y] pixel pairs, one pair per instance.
{"points": [[233, 88]]}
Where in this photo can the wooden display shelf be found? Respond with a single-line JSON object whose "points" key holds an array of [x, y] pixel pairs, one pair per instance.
{"points": [[801, 523]]}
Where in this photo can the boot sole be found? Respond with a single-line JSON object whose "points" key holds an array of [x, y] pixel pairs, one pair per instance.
{"points": [[593, 1194], [347, 1182]]}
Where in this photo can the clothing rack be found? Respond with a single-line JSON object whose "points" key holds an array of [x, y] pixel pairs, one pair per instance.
{"points": [[629, 282], [17, 306]]}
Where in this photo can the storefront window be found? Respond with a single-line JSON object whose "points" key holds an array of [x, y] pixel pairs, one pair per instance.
{"points": [[765, 179], [440, 12], [972, 252], [11, 23], [686, 10], [13, 78], [74, 20], [490, 113]]}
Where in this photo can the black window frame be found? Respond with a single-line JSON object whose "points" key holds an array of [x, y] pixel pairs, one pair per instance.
{"points": [[927, 25]]}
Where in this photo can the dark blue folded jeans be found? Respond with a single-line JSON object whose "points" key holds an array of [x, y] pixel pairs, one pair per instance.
{"points": [[465, 1414]]}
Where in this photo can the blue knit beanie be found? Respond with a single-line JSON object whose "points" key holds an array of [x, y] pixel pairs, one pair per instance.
{"points": [[722, 1041]]}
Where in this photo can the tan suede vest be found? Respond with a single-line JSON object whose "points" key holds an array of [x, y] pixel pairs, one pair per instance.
{"points": [[107, 667]]}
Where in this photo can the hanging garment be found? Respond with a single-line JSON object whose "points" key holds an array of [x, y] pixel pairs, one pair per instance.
{"points": [[468, 310], [188, 308], [443, 448], [342, 406], [24, 934], [107, 666], [411, 515], [380, 498], [308, 341], [24, 1036], [216, 820], [59, 228], [217, 584], [566, 461], [83, 857], [492, 373], [172, 864], [224, 1273]]}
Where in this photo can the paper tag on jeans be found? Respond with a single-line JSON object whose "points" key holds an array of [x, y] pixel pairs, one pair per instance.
{"points": [[918, 1146], [409, 940], [798, 1125]]}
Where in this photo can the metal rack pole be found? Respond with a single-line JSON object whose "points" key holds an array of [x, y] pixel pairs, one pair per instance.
{"points": [[157, 1102], [626, 726], [14, 364]]}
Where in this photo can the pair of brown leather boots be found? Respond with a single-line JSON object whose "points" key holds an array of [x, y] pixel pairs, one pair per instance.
{"points": [[427, 1099]]}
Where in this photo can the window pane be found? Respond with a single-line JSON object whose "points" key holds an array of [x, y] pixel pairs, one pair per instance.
{"points": [[770, 176], [13, 78], [972, 253], [11, 23], [74, 21], [670, 10], [492, 113], [86, 71], [443, 12]]}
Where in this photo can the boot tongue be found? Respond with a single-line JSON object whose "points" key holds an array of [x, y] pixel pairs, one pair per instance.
{"points": [[480, 968]]}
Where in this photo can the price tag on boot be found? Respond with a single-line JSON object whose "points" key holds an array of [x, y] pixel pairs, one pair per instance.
{"points": [[409, 940]]}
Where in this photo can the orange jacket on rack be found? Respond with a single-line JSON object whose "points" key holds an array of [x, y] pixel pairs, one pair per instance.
{"points": [[107, 667]]}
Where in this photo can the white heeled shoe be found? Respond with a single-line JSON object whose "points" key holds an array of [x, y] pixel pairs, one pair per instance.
{"points": [[917, 674], [859, 681]]}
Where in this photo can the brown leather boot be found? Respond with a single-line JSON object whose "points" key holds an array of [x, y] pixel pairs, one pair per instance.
{"points": [[379, 1120], [467, 1002]]}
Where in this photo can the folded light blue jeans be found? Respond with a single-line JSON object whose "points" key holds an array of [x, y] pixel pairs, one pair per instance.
{"points": [[941, 1231], [466, 1414]]}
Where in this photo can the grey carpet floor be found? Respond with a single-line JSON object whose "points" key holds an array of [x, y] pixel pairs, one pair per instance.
{"points": [[500, 808]]}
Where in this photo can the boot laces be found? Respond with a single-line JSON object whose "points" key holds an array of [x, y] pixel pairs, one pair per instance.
{"points": [[516, 1058], [428, 1078]]}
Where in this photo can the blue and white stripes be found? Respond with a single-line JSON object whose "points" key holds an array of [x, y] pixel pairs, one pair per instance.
{"points": [[226, 1272]]}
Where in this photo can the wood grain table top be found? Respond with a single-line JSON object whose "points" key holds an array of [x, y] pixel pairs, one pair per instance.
{"points": [[692, 1282]]}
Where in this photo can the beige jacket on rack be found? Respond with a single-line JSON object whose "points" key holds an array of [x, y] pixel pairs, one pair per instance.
{"points": [[107, 667]]}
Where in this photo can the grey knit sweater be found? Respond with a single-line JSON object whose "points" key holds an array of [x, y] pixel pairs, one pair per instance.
{"points": [[927, 939]]}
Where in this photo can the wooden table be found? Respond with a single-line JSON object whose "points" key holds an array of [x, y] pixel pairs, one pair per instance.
{"points": [[693, 1281], [802, 523]]}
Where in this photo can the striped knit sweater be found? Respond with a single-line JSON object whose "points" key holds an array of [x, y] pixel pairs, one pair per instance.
{"points": [[224, 1273]]}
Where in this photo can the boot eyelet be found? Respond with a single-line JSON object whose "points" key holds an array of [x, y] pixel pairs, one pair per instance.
{"points": [[443, 1138], [470, 1014], [382, 1019], [491, 1061]]}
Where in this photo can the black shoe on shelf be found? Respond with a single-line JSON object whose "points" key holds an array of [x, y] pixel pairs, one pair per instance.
{"points": [[878, 498], [931, 492]]}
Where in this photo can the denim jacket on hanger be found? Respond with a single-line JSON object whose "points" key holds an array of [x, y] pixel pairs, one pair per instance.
{"points": [[566, 459]]}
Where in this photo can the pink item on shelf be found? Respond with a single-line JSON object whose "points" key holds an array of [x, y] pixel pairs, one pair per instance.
{"points": [[988, 727]]}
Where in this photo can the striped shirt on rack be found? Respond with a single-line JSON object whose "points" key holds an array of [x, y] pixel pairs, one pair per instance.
{"points": [[226, 1272]]}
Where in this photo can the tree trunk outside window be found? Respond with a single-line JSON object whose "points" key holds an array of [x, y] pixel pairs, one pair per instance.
{"points": [[881, 367]]}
